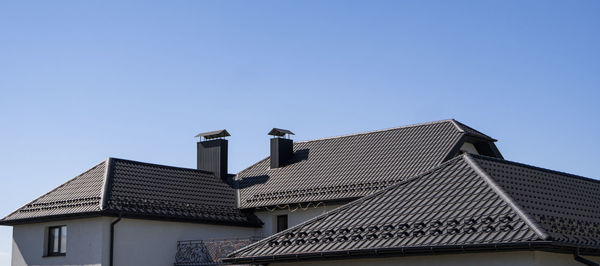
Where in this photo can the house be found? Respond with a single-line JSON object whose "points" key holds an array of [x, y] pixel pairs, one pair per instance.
{"points": [[126, 212], [469, 210], [432, 193]]}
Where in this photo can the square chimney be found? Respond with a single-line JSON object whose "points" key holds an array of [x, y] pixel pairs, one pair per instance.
{"points": [[212, 152], [282, 149]]}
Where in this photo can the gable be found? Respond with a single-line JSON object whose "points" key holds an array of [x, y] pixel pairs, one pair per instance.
{"points": [[351, 166]]}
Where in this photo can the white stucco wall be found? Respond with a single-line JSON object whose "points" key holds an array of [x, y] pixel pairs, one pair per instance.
{"points": [[295, 216], [516, 258], [137, 242], [469, 147], [87, 243], [148, 242]]}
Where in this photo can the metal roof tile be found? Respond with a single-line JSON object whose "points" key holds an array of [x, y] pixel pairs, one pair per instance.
{"points": [[451, 204], [142, 190], [349, 166]]}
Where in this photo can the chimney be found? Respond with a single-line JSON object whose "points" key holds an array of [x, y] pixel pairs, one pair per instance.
{"points": [[282, 148], [212, 152]]}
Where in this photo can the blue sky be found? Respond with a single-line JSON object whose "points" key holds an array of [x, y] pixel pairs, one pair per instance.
{"points": [[81, 81]]}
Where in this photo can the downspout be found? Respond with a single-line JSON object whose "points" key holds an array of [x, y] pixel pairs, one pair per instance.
{"points": [[582, 259], [112, 239]]}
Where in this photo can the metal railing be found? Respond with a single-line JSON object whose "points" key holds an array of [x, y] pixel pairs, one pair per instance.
{"points": [[208, 251]]}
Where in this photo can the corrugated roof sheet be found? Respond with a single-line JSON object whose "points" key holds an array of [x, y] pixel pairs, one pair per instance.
{"points": [[130, 188], [467, 201], [350, 166]]}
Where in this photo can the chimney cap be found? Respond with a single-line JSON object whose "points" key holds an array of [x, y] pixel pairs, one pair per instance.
{"points": [[280, 132], [214, 134]]}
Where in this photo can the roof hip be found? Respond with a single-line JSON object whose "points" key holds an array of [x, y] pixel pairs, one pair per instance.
{"points": [[522, 213]]}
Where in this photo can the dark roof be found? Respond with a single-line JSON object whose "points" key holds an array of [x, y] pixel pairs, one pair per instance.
{"points": [[469, 202], [352, 166], [566, 206], [142, 190]]}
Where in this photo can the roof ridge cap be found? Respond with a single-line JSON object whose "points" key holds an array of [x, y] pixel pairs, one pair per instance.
{"points": [[507, 198], [105, 183], [349, 204], [378, 130], [160, 165], [455, 123]]}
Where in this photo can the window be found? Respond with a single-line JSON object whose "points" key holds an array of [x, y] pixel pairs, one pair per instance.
{"points": [[57, 240], [282, 223]]}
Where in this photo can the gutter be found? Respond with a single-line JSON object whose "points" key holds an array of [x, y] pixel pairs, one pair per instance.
{"points": [[583, 260], [392, 252], [112, 239]]}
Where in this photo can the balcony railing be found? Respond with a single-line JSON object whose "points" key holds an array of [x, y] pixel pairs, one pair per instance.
{"points": [[209, 251]]}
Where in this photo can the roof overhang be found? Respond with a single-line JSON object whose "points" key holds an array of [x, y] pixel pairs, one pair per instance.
{"points": [[419, 250]]}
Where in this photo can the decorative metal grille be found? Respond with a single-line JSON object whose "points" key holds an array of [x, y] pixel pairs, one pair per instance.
{"points": [[208, 252]]}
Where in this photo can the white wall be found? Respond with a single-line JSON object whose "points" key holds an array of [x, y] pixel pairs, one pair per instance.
{"points": [[295, 216], [87, 243], [137, 242], [148, 242], [515, 258], [469, 147]]}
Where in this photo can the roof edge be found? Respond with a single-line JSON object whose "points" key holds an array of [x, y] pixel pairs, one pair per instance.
{"points": [[109, 213], [458, 125], [504, 196], [398, 252], [51, 218]]}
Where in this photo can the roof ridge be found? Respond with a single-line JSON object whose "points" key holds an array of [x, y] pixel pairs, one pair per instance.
{"points": [[483, 157], [56, 188], [106, 182], [161, 165], [350, 204], [539, 230], [378, 130]]}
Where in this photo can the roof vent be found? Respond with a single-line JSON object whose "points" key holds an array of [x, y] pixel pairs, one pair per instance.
{"points": [[282, 148], [212, 152]]}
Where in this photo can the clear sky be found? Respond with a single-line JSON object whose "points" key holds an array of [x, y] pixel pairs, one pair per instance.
{"points": [[81, 81]]}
